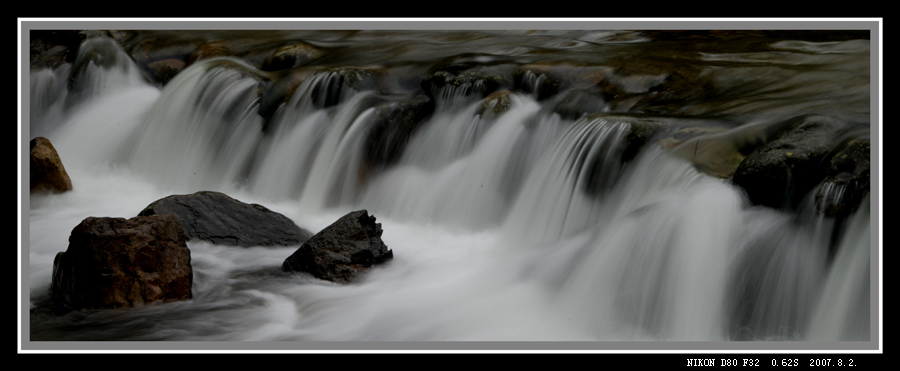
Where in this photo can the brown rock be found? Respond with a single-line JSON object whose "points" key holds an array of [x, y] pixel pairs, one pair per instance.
{"points": [[114, 262], [47, 171], [166, 69], [495, 104], [211, 49], [290, 56]]}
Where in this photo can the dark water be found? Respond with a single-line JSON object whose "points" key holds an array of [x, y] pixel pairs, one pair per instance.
{"points": [[496, 231]]}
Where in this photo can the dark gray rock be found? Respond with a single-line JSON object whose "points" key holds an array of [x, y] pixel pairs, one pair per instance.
{"points": [[463, 80], [781, 172], [222, 220], [343, 250], [342, 82], [394, 123], [51, 48], [847, 180], [114, 263]]}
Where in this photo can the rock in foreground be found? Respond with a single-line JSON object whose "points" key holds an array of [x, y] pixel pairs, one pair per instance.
{"points": [[222, 220], [47, 171], [114, 263], [341, 251]]}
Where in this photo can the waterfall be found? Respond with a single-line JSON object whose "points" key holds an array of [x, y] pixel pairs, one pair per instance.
{"points": [[527, 224]]}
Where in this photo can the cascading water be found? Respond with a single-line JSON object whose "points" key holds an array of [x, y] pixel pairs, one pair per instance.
{"points": [[524, 226]]}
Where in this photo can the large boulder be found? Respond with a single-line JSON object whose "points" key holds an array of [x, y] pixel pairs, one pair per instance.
{"points": [[47, 173], [341, 251], [222, 220], [114, 262]]}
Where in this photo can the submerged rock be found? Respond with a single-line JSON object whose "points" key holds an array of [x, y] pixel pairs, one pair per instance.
{"points": [[47, 173], [114, 262], [394, 123], [341, 251], [222, 220], [278, 91]]}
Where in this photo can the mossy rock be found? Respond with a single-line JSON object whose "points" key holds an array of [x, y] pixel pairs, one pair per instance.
{"points": [[495, 104]]}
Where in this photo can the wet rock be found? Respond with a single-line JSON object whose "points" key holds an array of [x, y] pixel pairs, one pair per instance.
{"points": [[290, 56], [659, 89], [640, 133], [340, 79], [153, 49], [462, 80], [122, 36], [51, 48], [279, 91], [114, 263], [712, 150], [166, 69], [394, 123], [782, 171], [50, 58], [222, 220], [211, 49], [541, 84], [495, 104], [47, 173], [572, 104], [342, 251], [846, 181], [605, 167], [547, 79], [161, 58]]}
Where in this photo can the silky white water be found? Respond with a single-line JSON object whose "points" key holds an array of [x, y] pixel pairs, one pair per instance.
{"points": [[494, 237]]}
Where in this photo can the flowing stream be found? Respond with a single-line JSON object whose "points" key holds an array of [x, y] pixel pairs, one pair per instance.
{"points": [[494, 235]]}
